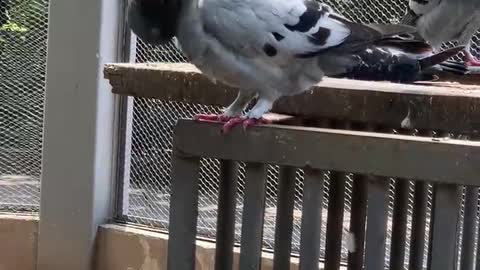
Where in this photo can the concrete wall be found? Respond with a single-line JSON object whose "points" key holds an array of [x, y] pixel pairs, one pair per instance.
{"points": [[118, 247], [18, 242], [121, 247]]}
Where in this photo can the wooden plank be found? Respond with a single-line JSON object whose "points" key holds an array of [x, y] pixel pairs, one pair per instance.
{"points": [[445, 218], [430, 159], [377, 223], [253, 216], [358, 221], [226, 215], [417, 238], [399, 225], [336, 202], [284, 219], [450, 107], [311, 219], [467, 259], [183, 212]]}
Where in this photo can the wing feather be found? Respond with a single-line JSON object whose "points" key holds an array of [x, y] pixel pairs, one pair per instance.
{"points": [[285, 29]]}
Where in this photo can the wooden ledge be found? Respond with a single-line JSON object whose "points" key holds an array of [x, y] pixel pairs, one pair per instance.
{"points": [[448, 106]]}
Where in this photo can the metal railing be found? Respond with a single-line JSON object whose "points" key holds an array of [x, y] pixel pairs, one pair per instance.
{"points": [[372, 157]]}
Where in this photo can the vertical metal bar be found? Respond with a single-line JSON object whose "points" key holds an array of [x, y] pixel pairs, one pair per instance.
{"points": [[124, 124], [357, 221], [284, 218], [253, 216], [123, 150], [311, 219], [183, 212], [477, 257], [226, 215], [431, 229], [469, 220], [419, 218], [336, 202], [399, 225], [377, 222], [445, 218]]}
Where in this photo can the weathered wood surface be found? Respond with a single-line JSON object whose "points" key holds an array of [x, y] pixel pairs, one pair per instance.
{"points": [[447, 161], [432, 105]]}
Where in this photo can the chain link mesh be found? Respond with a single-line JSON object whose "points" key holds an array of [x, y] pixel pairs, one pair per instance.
{"points": [[23, 44], [152, 146]]}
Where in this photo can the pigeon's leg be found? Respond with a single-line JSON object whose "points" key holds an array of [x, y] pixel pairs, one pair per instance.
{"points": [[235, 110], [254, 116], [470, 59]]}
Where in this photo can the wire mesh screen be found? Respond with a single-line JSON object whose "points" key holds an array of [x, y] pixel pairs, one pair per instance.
{"points": [[153, 121], [23, 44]]}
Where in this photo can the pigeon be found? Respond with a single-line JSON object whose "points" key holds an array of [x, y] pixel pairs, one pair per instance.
{"points": [[440, 21], [403, 61], [265, 48]]}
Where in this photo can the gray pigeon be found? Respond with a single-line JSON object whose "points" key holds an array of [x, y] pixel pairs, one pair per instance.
{"points": [[265, 48], [440, 21]]}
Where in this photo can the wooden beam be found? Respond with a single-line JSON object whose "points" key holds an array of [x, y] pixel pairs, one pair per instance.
{"points": [[440, 106], [446, 161]]}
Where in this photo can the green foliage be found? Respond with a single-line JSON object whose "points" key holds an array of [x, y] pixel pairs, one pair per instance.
{"points": [[13, 27], [24, 16]]}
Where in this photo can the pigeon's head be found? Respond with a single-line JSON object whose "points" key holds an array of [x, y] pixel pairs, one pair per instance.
{"points": [[154, 21]]}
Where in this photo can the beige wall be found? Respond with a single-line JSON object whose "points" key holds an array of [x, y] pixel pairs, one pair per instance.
{"points": [[126, 248], [18, 242], [118, 247]]}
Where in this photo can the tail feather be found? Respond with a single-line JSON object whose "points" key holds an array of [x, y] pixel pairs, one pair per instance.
{"points": [[384, 64], [439, 58], [454, 67], [364, 35]]}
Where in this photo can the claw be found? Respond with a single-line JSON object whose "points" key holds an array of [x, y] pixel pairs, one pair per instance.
{"points": [[231, 122], [212, 118], [252, 122], [245, 122], [206, 117]]}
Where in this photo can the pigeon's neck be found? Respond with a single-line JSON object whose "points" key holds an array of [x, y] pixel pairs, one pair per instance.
{"points": [[189, 8], [190, 33], [189, 18]]}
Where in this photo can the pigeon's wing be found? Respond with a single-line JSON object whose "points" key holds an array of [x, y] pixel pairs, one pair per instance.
{"points": [[279, 29]]}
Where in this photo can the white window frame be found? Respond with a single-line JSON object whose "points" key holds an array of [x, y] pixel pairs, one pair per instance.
{"points": [[84, 129]]}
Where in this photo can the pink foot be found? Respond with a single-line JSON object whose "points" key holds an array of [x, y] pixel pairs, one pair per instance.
{"points": [[471, 61], [211, 118], [231, 122], [245, 122]]}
